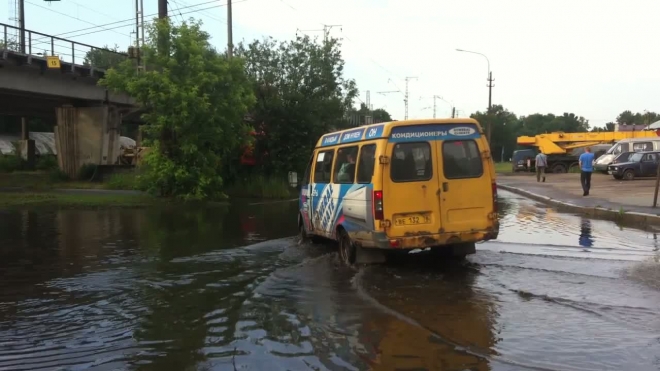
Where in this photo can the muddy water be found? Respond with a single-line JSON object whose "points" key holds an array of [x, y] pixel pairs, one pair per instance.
{"points": [[229, 288]]}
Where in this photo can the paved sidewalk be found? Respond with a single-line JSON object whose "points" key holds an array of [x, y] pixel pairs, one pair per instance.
{"points": [[607, 194]]}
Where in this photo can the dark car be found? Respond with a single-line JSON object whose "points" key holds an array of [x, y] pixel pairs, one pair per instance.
{"points": [[640, 164], [623, 157], [520, 159]]}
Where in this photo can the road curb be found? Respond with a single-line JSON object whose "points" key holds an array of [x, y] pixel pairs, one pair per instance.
{"points": [[599, 212]]}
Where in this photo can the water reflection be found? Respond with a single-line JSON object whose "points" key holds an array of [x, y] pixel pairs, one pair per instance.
{"points": [[586, 240], [214, 289]]}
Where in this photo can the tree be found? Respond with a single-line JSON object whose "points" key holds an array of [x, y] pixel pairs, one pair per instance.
{"points": [[104, 58], [377, 115], [505, 126], [195, 101], [301, 94], [629, 118]]}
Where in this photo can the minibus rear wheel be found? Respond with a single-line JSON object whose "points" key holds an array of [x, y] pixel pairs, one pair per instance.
{"points": [[347, 251]]}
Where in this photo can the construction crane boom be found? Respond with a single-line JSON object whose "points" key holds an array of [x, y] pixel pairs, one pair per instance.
{"points": [[561, 143]]}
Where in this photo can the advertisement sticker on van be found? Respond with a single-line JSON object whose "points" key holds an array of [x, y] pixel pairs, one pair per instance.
{"points": [[434, 132]]}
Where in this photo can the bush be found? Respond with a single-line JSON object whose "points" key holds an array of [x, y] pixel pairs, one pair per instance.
{"points": [[124, 181], [87, 172], [259, 186], [11, 163], [56, 175], [46, 162]]}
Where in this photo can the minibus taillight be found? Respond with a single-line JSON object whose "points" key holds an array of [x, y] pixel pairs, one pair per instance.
{"points": [[378, 205], [494, 188]]}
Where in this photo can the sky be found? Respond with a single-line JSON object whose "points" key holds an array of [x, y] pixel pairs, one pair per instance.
{"points": [[592, 58]]}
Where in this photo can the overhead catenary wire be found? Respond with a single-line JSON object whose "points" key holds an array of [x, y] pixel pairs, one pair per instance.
{"points": [[131, 22]]}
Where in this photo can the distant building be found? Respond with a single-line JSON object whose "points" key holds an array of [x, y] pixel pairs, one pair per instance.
{"points": [[618, 127], [655, 125]]}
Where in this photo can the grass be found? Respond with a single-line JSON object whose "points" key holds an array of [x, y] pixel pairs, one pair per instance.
{"points": [[77, 200], [503, 167], [258, 186]]}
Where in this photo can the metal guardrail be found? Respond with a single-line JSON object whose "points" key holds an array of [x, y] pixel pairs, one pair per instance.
{"points": [[43, 45]]}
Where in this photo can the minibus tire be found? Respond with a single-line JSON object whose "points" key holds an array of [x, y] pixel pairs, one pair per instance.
{"points": [[347, 251], [302, 234]]}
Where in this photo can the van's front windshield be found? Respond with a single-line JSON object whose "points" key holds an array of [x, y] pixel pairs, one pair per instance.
{"points": [[618, 149]]}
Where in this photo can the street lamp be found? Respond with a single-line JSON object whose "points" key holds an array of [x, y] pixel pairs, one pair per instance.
{"points": [[490, 88]]}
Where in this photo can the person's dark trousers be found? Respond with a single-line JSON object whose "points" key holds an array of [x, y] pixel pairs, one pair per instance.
{"points": [[540, 173], [585, 179]]}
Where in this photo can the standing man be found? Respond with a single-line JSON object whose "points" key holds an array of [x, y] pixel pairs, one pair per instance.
{"points": [[586, 167], [541, 165]]}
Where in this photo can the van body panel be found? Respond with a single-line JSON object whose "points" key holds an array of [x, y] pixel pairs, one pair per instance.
{"points": [[424, 204]]}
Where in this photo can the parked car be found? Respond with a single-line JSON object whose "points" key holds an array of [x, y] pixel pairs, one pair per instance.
{"points": [[520, 159], [640, 164], [623, 157]]}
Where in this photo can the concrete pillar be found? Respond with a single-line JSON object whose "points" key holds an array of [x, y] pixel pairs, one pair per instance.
{"points": [[86, 135], [27, 145]]}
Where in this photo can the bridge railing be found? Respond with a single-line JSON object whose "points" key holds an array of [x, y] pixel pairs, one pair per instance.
{"points": [[42, 45]]}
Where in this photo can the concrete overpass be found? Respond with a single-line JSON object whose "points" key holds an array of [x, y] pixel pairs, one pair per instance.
{"points": [[88, 116]]}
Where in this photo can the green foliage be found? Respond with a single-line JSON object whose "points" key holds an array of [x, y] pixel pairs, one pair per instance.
{"points": [[87, 172], [377, 115], [259, 186], [124, 181], [10, 163], [629, 118], [196, 100], [507, 127], [301, 94], [104, 58], [46, 162]]}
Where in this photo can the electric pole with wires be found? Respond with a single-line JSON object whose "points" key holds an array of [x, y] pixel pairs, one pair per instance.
{"points": [[405, 99], [162, 9], [230, 31]]}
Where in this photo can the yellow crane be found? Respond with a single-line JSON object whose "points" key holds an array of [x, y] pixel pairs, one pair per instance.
{"points": [[562, 143]]}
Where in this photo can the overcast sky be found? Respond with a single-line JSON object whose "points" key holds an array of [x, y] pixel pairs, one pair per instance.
{"points": [[592, 58]]}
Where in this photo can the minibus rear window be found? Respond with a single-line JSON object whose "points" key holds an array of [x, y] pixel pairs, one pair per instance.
{"points": [[411, 162], [461, 159]]}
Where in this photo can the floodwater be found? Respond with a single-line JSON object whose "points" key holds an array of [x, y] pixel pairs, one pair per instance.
{"points": [[230, 289]]}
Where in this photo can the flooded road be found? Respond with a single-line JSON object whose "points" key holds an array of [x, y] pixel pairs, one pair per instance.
{"points": [[230, 288]]}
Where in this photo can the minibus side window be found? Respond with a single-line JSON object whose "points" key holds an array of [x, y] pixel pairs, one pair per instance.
{"points": [[345, 164], [366, 163], [411, 162], [308, 170], [461, 159], [323, 168]]}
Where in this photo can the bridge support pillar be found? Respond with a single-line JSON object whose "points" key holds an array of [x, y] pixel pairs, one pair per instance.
{"points": [[86, 135], [27, 145]]}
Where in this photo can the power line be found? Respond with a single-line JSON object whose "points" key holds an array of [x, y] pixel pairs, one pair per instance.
{"points": [[131, 22], [69, 16]]}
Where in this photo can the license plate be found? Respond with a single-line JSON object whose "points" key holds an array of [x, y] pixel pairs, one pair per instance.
{"points": [[610, 172], [413, 219]]}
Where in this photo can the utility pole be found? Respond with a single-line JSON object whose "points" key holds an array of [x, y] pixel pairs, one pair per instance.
{"points": [[230, 31], [435, 97], [405, 99], [162, 9], [490, 96], [21, 23], [139, 32], [453, 112], [368, 118]]}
